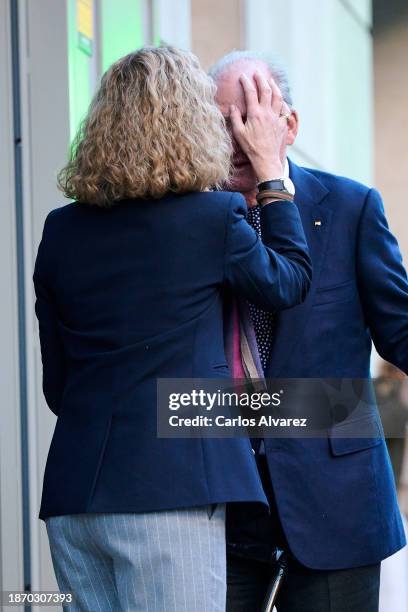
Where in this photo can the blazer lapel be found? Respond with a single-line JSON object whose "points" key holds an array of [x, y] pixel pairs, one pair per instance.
{"points": [[316, 219]]}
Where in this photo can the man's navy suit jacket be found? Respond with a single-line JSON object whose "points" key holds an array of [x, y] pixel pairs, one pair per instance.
{"points": [[336, 496], [133, 293]]}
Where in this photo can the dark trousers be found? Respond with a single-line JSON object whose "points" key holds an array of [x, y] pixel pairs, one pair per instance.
{"points": [[303, 589], [251, 541]]}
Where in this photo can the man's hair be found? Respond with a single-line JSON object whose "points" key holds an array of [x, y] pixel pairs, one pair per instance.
{"points": [[152, 127], [277, 70]]}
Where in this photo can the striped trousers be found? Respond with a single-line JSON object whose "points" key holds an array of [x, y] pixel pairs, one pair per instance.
{"points": [[170, 561]]}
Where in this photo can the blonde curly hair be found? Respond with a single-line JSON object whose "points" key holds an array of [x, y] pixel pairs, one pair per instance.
{"points": [[152, 127]]}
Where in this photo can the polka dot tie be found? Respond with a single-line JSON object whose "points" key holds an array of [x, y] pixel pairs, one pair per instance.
{"points": [[263, 321]]}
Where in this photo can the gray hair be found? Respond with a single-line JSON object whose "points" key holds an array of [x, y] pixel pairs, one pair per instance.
{"points": [[277, 70]]}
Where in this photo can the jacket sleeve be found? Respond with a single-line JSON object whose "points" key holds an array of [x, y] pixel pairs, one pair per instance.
{"points": [[383, 283], [274, 273], [52, 351]]}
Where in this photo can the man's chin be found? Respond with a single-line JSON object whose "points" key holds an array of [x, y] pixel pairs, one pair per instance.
{"points": [[243, 183]]}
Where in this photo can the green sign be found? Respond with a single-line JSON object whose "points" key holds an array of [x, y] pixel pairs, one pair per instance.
{"points": [[85, 25]]}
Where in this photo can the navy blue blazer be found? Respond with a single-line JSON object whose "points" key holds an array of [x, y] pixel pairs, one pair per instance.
{"points": [[133, 293], [336, 496]]}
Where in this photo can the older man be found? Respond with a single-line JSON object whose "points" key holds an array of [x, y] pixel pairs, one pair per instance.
{"points": [[333, 502]]}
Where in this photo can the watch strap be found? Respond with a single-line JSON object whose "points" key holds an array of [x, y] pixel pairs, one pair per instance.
{"points": [[273, 184]]}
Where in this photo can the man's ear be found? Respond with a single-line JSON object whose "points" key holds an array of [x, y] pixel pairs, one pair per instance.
{"points": [[293, 126]]}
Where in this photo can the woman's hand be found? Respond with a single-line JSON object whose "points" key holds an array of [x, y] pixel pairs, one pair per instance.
{"points": [[262, 136]]}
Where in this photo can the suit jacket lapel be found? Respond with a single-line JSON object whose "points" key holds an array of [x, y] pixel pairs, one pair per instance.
{"points": [[316, 219]]}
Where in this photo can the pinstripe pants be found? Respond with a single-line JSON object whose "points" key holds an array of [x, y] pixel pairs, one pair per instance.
{"points": [[170, 561]]}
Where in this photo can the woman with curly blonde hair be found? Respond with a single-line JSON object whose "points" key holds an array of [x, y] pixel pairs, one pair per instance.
{"points": [[129, 282]]}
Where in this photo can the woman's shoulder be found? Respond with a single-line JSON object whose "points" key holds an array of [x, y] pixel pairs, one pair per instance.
{"points": [[61, 215], [220, 199], [62, 212], [61, 222], [56, 215], [211, 207]]}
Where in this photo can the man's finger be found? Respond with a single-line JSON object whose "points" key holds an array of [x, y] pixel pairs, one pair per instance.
{"points": [[264, 89], [251, 95], [277, 99]]}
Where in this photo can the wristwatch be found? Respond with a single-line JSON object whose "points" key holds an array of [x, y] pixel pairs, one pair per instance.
{"points": [[285, 185]]}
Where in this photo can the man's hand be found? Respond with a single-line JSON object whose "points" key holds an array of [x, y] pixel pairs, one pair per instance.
{"points": [[262, 136]]}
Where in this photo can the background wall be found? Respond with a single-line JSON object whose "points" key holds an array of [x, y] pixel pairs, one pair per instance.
{"points": [[391, 111], [217, 27], [11, 508]]}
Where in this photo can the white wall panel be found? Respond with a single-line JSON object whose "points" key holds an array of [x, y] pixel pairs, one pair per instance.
{"points": [[174, 22], [362, 9], [327, 50]]}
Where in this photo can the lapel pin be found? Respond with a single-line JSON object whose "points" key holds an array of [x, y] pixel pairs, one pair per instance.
{"points": [[318, 222]]}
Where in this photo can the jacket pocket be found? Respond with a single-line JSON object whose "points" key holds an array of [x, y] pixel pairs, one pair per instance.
{"points": [[355, 435], [335, 293], [219, 370]]}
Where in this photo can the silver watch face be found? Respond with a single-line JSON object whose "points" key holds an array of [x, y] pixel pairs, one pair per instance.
{"points": [[289, 186]]}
